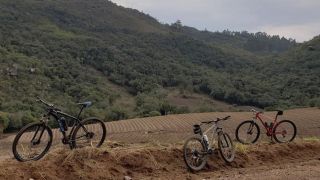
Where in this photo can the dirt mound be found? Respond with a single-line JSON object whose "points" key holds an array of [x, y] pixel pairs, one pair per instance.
{"points": [[141, 161]]}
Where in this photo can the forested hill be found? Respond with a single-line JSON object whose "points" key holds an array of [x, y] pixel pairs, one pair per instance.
{"points": [[128, 63], [259, 42]]}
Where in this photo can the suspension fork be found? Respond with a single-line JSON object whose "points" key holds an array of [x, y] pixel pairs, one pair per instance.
{"points": [[35, 135], [220, 133], [250, 127]]}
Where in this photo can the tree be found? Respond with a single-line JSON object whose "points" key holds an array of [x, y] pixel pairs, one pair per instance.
{"points": [[177, 25]]}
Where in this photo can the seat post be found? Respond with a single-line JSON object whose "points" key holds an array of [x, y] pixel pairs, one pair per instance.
{"points": [[80, 112]]}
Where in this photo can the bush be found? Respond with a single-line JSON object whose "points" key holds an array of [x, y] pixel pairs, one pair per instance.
{"points": [[4, 121], [315, 102], [154, 113], [15, 121], [181, 110], [27, 118], [116, 113]]}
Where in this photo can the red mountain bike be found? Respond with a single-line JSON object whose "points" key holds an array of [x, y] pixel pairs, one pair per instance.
{"points": [[283, 131]]}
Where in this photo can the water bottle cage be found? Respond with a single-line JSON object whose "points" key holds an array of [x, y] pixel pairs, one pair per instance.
{"points": [[269, 126], [206, 140], [62, 124]]}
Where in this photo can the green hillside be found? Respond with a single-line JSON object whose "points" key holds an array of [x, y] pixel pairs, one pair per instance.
{"points": [[129, 64]]}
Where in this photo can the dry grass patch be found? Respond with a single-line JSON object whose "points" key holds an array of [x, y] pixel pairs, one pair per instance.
{"points": [[242, 148], [311, 139]]}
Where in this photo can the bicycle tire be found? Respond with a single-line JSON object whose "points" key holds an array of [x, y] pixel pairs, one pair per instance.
{"points": [[252, 123], [84, 123], [277, 126], [203, 159], [24, 130], [223, 139]]}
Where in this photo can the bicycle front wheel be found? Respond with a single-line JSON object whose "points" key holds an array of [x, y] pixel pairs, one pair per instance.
{"points": [[32, 142], [247, 132], [195, 154], [284, 131], [90, 132], [226, 147]]}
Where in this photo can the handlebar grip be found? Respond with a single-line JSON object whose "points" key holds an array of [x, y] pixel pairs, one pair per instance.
{"points": [[45, 103]]}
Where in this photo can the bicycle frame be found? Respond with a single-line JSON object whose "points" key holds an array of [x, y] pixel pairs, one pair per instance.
{"points": [[196, 157], [215, 130], [268, 129], [58, 114], [74, 129]]}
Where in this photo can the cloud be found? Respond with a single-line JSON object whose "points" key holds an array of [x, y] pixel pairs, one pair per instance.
{"points": [[297, 19], [302, 32]]}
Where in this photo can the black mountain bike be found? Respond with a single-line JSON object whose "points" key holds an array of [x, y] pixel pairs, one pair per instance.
{"points": [[35, 139], [197, 148]]}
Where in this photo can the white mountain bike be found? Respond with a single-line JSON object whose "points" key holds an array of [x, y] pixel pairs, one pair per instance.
{"points": [[197, 148]]}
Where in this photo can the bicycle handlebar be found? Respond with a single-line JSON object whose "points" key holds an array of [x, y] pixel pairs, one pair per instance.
{"points": [[218, 119], [225, 118], [255, 111], [51, 106], [44, 102]]}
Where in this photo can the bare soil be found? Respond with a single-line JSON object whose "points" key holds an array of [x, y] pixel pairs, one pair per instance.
{"points": [[176, 128], [150, 148], [299, 160]]}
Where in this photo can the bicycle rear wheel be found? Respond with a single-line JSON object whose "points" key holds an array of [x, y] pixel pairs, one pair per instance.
{"points": [[226, 147], [194, 153], [284, 131], [91, 132], [32, 142]]}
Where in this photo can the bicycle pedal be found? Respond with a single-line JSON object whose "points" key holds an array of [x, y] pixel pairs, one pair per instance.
{"points": [[65, 141], [211, 151]]}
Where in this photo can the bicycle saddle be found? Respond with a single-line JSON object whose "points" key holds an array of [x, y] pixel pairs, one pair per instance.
{"points": [[279, 113], [85, 104]]}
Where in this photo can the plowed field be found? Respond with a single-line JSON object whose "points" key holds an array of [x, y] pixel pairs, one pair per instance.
{"points": [[151, 148]]}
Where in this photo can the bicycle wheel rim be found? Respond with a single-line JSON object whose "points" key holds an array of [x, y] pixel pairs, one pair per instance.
{"points": [[248, 133], [285, 131], [32, 143], [226, 147], [90, 134], [195, 154]]}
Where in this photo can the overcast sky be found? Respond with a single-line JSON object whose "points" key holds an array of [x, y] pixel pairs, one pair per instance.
{"points": [[297, 19]]}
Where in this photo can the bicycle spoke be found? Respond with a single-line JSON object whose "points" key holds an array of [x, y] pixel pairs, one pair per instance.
{"points": [[284, 132], [194, 153], [247, 132], [31, 143], [90, 133], [80, 136]]}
